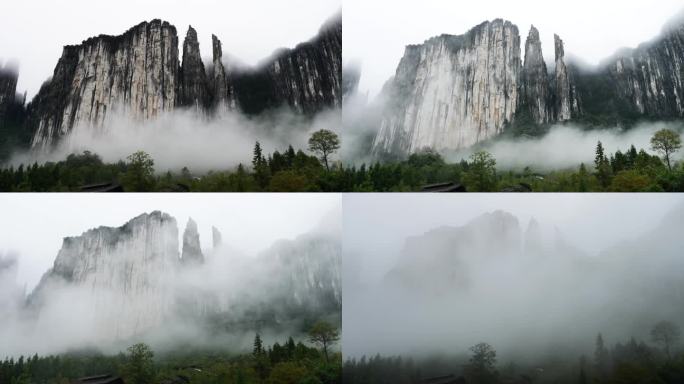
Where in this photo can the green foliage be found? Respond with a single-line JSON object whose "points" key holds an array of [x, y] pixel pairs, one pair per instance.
{"points": [[295, 171], [482, 365], [291, 362], [481, 173], [139, 174], [324, 335], [324, 143], [666, 142]]}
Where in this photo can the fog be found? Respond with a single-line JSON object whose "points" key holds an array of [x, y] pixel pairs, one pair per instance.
{"points": [[591, 30], [567, 146], [34, 31], [427, 275], [187, 138], [238, 277], [563, 146]]}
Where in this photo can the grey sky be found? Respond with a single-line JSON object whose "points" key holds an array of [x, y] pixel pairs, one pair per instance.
{"points": [[376, 225], [33, 225], [376, 32], [34, 31]]}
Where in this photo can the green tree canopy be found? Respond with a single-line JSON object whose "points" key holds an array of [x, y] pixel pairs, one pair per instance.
{"points": [[139, 365], [324, 335], [666, 142], [324, 143]]}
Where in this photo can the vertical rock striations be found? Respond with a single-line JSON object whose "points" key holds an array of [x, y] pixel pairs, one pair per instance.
{"points": [[535, 80], [567, 100], [135, 72], [192, 252], [224, 94], [194, 88], [453, 91], [9, 75], [651, 77], [123, 274], [306, 78]]}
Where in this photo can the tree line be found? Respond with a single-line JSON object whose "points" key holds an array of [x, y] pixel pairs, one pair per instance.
{"points": [[298, 171], [627, 362], [290, 362]]}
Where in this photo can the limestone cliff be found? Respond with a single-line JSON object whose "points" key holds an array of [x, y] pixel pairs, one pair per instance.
{"points": [[192, 252], [135, 73], [9, 75], [535, 80], [453, 91], [194, 87], [307, 78], [124, 274], [651, 77], [567, 100], [139, 75]]}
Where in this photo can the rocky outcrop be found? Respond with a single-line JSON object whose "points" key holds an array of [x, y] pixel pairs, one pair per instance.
{"points": [[9, 75], [135, 73], [567, 99], [194, 88], [123, 275], [453, 91], [651, 77], [128, 281], [192, 252], [439, 261], [535, 80], [224, 94], [311, 272], [306, 78], [217, 239], [139, 74]]}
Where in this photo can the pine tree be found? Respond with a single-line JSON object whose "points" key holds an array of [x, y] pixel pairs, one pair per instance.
{"points": [[601, 357], [258, 155]]}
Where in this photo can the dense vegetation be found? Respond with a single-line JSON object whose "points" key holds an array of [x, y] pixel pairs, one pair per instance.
{"points": [[288, 171], [625, 363], [291, 362]]}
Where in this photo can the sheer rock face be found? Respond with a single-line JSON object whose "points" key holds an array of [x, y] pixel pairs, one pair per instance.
{"points": [[306, 78], [194, 88], [224, 94], [136, 72], [9, 75], [651, 77], [139, 74], [453, 91], [124, 274], [311, 272], [192, 252], [216, 237], [444, 255], [567, 98], [535, 80]]}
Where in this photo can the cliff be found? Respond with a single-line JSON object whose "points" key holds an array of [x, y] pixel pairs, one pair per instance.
{"points": [[124, 275], [139, 74], [651, 77], [128, 281], [9, 75], [307, 78], [135, 73], [453, 91]]}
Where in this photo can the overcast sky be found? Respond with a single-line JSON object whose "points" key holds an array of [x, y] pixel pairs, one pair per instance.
{"points": [[375, 226], [33, 225], [34, 31], [376, 32]]}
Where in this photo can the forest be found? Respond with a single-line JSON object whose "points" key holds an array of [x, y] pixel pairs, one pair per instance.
{"points": [[626, 362], [289, 362], [635, 170]]}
